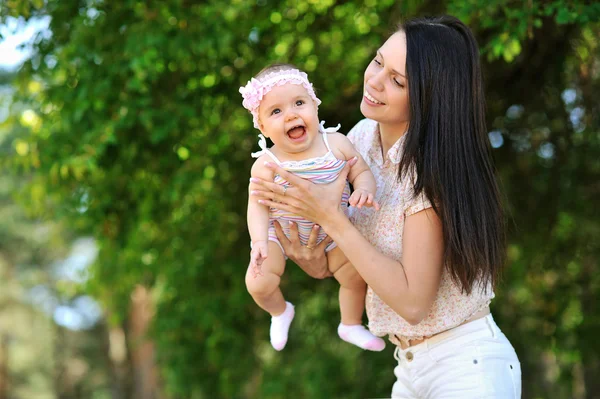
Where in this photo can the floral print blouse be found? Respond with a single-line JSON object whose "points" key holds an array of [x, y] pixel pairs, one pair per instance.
{"points": [[384, 229]]}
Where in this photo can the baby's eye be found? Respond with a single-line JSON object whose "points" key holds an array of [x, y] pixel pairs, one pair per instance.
{"points": [[299, 102], [275, 111], [377, 62]]}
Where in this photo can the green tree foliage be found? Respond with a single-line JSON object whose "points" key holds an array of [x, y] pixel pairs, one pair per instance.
{"points": [[38, 358], [26, 333], [136, 135], [545, 106]]}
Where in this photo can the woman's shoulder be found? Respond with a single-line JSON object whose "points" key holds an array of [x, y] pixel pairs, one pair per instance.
{"points": [[362, 130], [364, 124]]}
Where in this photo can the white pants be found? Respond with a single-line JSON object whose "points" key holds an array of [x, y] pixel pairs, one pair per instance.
{"points": [[474, 360]]}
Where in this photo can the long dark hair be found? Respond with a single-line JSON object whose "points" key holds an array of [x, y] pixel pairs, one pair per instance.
{"points": [[448, 147]]}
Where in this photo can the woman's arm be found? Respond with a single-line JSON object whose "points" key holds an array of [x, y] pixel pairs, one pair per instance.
{"points": [[410, 287]]}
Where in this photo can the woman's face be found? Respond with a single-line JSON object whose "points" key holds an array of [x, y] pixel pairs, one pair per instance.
{"points": [[385, 97]]}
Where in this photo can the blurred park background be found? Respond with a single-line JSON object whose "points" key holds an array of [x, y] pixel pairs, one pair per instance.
{"points": [[125, 154]]}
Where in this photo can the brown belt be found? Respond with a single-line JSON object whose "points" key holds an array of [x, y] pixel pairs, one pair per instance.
{"points": [[412, 342]]}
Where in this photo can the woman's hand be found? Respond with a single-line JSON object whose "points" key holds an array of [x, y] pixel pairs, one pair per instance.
{"points": [[310, 257], [319, 203]]}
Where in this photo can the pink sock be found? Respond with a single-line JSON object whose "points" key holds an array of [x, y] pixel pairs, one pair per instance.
{"points": [[280, 326], [358, 335]]}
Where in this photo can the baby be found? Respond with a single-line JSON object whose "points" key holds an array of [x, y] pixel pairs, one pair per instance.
{"points": [[284, 108]]}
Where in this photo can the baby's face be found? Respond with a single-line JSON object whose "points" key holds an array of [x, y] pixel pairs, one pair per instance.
{"points": [[288, 116]]}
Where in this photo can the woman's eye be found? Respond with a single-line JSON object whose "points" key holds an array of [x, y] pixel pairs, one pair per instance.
{"points": [[377, 62], [398, 83], [275, 111], [299, 102]]}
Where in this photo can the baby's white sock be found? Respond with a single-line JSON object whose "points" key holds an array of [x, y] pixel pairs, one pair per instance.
{"points": [[280, 326], [358, 335]]}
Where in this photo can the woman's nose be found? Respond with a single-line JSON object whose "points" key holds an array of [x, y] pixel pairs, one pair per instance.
{"points": [[376, 81]]}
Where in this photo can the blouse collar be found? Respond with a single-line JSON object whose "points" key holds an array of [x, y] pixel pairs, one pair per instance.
{"points": [[394, 154]]}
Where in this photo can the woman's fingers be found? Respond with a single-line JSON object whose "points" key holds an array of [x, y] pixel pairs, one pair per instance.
{"points": [[281, 235], [291, 178], [325, 242], [268, 185], [273, 196], [321, 247], [312, 238], [278, 205], [294, 236]]}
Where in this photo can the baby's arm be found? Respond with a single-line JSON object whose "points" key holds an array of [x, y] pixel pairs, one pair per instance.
{"points": [[258, 217], [360, 175]]}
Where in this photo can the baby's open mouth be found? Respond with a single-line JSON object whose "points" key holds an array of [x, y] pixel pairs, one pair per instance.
{"points": [[296, 132]]}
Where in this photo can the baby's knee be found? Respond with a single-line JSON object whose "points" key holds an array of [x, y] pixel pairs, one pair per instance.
{"points": [[348, 277], [259, 285]]}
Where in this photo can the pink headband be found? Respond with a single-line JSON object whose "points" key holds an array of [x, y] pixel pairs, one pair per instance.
{"points": [[255, 89]]}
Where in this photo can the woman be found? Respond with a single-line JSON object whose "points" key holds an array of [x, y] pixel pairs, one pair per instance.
{"points": [[432, 253]]}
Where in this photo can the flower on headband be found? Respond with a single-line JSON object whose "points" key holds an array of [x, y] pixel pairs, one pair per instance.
{"points": [[252, 93], [255, 89]]}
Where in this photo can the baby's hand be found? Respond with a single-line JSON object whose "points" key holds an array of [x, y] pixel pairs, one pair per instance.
{"points": [[260, 251], [361, 198]]}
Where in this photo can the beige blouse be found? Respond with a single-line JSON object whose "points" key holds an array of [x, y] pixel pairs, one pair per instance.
{"points": [[384, 229]]}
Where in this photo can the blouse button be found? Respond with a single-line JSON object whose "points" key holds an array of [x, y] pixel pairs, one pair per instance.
{"points": [[409, 356]]}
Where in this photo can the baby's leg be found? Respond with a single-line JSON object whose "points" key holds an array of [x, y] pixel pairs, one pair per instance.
{"points": [[265, 291], [352, 287], [352, 303], [265, 288]]}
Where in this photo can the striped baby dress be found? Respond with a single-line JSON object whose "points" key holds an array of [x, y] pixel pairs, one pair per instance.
{"points": [[319, 170]]}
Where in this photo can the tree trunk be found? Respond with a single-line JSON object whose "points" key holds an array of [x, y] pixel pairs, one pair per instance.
{"points": [[145, 375], [115, 349], [4, 382]]}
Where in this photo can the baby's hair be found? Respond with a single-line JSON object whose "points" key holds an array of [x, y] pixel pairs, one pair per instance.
{"points": [[276, 68]]}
